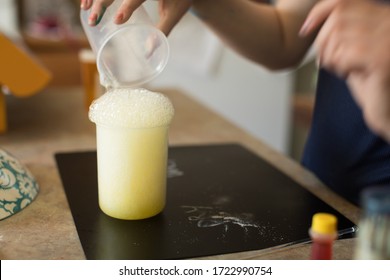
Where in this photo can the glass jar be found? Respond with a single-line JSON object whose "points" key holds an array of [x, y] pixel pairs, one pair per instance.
{"points": [[373, 241]]}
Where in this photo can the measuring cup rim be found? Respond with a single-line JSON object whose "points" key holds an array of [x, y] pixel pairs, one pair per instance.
{"points": [[148, 78]]}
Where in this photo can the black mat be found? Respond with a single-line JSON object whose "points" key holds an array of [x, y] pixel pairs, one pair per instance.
{"points": [[221, 199]]}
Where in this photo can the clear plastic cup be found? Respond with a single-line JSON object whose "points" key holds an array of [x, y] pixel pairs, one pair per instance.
{"points": [[129, 54]]}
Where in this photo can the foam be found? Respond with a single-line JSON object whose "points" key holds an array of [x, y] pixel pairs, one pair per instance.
{"points": [[134, 108]]}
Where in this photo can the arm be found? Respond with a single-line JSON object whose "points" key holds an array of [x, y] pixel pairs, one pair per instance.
{"points": [[264, 33]]}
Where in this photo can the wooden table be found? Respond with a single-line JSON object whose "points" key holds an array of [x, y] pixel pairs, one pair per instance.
{"points": [[56, 121]]}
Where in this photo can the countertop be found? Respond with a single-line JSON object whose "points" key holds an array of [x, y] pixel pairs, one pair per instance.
{"points": [[56, 121]]}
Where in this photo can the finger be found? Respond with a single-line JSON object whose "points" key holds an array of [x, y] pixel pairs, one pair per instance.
{"points": [[344, 60], [97, 11], [325, 41], [371, 92], [166, 26], [167, 23], [327, 54], [331, 41], [355, 82], [317, 16], [353, 59], [85, 4], [126, 9], [171, 15]]}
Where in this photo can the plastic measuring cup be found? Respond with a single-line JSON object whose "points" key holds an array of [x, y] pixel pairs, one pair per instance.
{"points": [[129, 54]]}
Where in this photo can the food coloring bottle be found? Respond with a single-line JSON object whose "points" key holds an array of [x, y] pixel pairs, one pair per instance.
{"points": [[323, 232]]}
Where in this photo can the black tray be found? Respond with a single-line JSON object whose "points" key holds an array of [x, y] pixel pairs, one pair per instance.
{"points": [[220, 199]]}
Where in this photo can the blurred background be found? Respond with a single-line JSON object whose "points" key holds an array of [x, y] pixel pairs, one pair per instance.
{"points": [[275, 107]]}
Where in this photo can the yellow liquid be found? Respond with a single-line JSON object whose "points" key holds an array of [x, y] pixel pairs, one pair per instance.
{"points": [[132, 165], [132, 146]]}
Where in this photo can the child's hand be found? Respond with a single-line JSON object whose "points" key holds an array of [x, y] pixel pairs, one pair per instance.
{"points": [[171, 11]]}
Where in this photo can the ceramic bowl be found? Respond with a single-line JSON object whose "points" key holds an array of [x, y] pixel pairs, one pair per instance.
{"points": [[18, 187]]}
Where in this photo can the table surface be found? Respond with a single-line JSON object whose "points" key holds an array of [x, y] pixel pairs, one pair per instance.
{"points": [[56, 121]]}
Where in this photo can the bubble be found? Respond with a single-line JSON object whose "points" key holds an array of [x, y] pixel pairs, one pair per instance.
{"points": [[133, 108]]}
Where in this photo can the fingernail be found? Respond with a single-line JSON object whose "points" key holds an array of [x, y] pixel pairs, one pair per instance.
{"points": [[304, 29], [82, 5], [101, 15], [119, 18], [92, 19], [148, 50]]}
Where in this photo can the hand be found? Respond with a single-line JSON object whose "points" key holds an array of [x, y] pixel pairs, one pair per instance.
{"points": [[171, 11], [353, 41]]}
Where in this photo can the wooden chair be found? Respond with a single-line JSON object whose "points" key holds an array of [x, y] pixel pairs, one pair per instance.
{"points": [[21, 73]]}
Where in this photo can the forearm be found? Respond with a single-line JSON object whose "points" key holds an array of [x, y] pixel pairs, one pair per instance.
{"points": [[261, 32]]}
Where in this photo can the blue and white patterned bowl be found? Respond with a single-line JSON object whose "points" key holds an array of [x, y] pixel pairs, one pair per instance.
{"points": [[18, 187]]}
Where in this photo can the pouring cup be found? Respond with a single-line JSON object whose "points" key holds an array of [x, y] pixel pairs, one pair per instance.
{"points": [[129, 54]]}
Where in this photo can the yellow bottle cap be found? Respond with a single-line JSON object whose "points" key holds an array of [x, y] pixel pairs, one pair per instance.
{"points": [[324, 223]]}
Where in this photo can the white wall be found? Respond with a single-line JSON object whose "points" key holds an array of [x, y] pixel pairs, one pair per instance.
{"points": [[246, 94], [8, 18]]}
